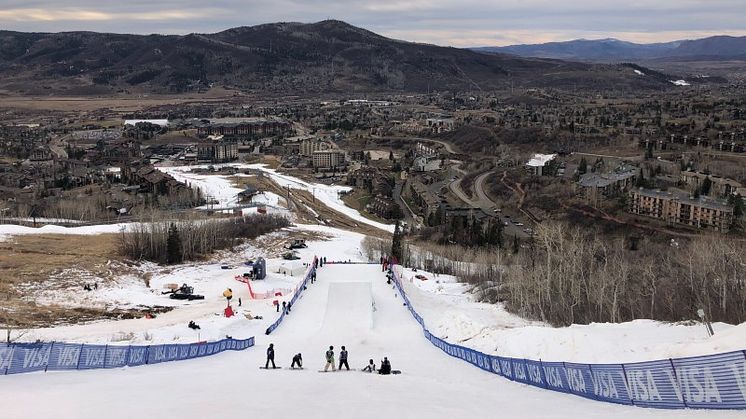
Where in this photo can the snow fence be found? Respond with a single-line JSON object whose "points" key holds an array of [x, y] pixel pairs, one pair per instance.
{"points": [[18, 358], [298, 291], [704, 382]]}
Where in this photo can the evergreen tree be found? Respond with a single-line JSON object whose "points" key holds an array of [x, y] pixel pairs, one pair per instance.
{"points": [[396, 245], [173, 245], [583, 166], [516, 244], [706, 186], [391, 155]]}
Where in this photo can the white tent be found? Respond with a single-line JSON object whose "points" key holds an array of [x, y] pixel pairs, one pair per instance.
{"points": [[292, 268]]}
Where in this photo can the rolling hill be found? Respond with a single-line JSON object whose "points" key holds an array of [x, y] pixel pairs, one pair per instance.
{"points": [[328, 56]]}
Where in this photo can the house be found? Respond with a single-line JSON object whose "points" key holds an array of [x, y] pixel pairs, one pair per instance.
{"points": [[682, 209], [384, 207], [426, 163], [371, 179], [536, 165]]}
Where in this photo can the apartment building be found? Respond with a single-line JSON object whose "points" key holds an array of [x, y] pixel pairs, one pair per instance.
{"points": [[680, 208]]}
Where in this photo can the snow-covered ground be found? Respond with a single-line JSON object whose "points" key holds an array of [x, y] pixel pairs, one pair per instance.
{"points": [[12, 229], [450, 313], [349, 305], [220, 188]]}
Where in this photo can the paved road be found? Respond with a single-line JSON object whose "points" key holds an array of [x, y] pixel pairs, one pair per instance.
{"points": [[485, 203]]}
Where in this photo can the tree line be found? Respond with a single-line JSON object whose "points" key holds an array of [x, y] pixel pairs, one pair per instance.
{"points": [[192, 239], [569, 275]]}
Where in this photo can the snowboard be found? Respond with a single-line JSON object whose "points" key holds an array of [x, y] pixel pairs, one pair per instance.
{"points": [[328, 371], [265, 368], [296, 368]]}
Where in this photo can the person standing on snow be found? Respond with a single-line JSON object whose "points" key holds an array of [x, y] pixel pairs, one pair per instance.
{"points": [[297, 360], [228, 294], [343, 359], [270, 356], [330, 359]]}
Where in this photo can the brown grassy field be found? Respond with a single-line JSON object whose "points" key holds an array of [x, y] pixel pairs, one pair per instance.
{"points": [[30, 261]]}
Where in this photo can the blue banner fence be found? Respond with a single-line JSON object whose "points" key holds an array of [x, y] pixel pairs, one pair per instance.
{"points": [[298, 291], [16, 358], [703, 382]]}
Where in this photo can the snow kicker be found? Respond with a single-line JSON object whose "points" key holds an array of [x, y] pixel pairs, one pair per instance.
{"points": [[705, 382]]}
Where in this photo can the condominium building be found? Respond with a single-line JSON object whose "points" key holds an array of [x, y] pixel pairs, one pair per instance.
{"points": [[328, 159], [679, 208]]}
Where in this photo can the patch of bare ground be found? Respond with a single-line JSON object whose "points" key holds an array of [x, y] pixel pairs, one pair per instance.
{"points": [[54, 262]]}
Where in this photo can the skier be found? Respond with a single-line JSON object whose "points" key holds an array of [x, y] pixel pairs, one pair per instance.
{"points": [[297, 360], [371, 367], [270, 356], [330, 359], [343, 359], [385, 367]]}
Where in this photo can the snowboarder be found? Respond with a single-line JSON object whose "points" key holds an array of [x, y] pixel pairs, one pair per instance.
{"points": [[297, 360], [290, 304], [385, 367], [277, 305], [330, 359], [239, 301], [343, 359], [270, 356], [284, 307], [193, 325], [371, 367]]}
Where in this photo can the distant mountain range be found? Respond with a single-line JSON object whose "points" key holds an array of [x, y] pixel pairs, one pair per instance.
{"points": [[714, 48], [328, 56]]}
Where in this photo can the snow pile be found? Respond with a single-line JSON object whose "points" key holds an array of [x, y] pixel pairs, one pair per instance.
{"points": [[639, 73], [680, 82]]}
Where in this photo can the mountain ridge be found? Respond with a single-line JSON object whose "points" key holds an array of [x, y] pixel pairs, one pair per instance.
{"points": [[326, 56], [612, 49]]}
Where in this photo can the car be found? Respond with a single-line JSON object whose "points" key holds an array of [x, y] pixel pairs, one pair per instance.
{"points": [[497, 210], [505, 223], [519, 224], [507, 216]]}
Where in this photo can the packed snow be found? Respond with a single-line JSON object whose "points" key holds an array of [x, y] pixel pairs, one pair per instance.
{"points": [[349, 305]]}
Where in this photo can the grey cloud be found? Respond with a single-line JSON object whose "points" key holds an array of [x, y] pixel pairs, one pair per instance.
{"points": [[452, 22]]}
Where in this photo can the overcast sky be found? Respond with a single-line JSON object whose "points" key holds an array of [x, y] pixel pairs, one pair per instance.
{"points": [[444, 22]]}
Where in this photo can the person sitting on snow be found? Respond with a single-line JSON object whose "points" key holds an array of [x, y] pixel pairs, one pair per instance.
{"points": [[385, 367], [371, 367]]}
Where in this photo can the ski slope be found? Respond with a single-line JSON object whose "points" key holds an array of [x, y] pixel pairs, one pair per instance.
{"points": [[348, 305]]}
